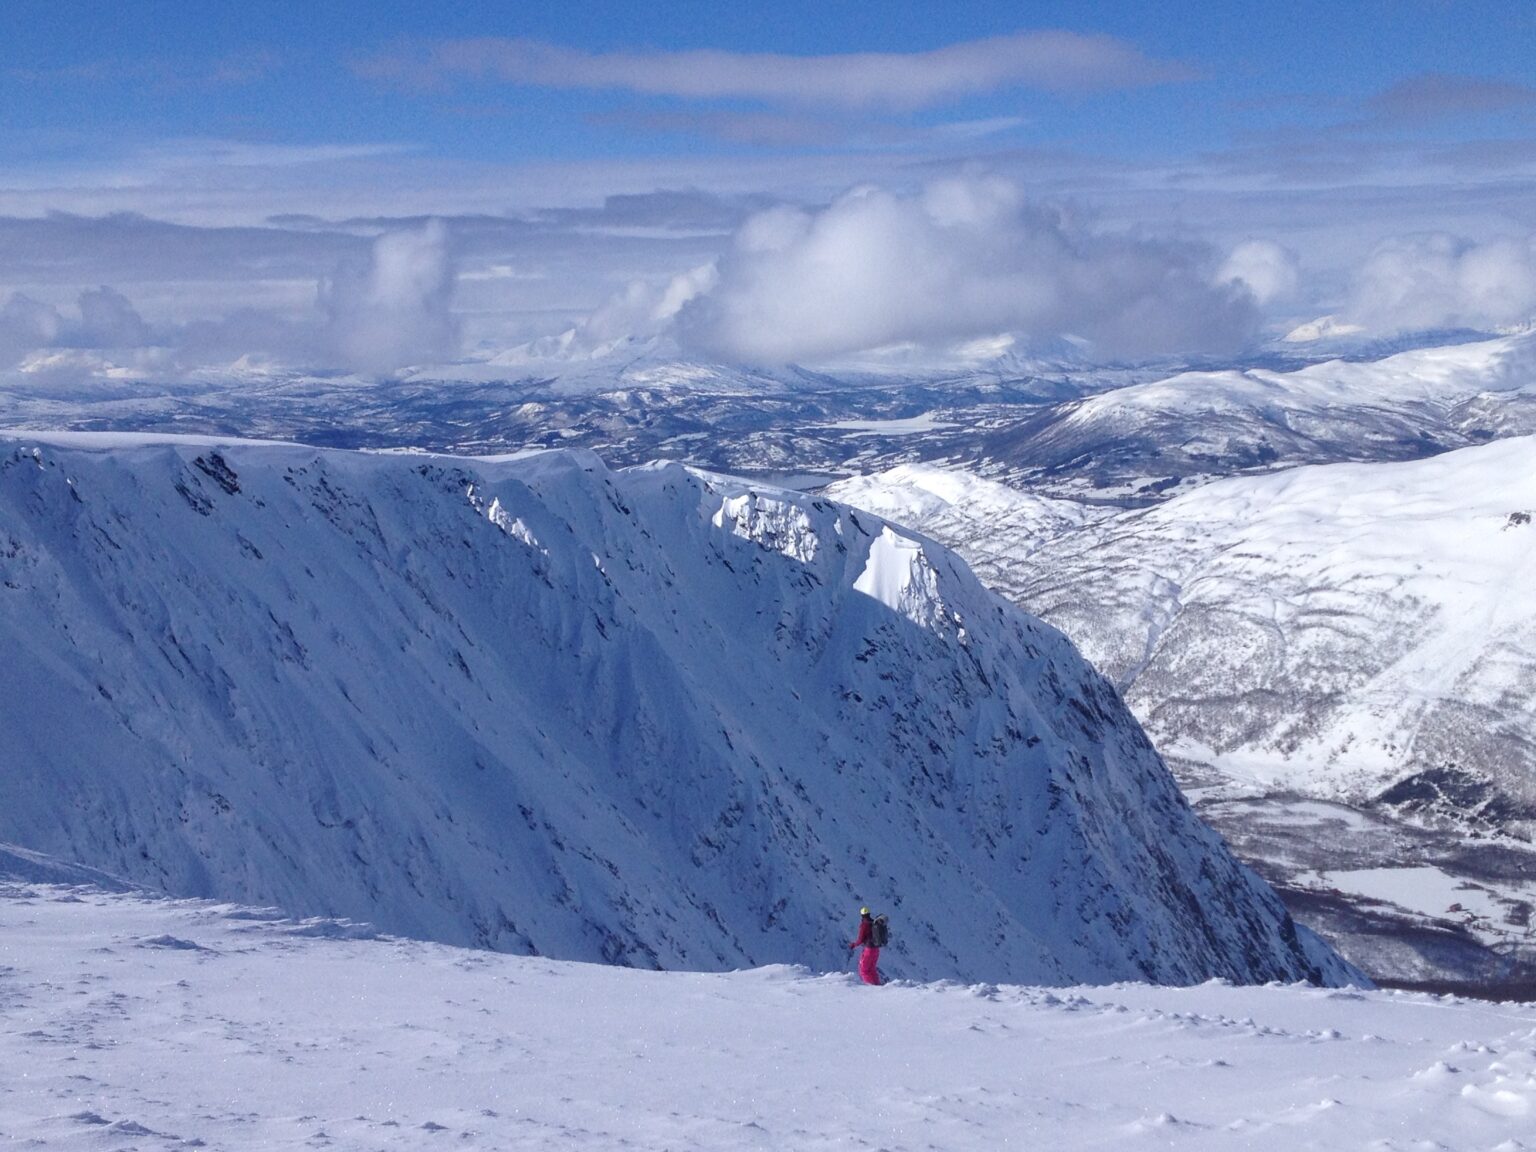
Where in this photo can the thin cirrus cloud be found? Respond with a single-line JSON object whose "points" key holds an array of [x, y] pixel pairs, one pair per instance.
{"points": [[160, 73], [779, 129], [1047, 60], [1440, 96]]}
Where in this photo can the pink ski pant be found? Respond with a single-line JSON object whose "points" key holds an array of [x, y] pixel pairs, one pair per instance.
{"points": [[869, 970]]}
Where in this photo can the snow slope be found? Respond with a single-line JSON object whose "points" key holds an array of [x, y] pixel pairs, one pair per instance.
{"points": [[1147, 438], [127, 1023], [1361, 634], [649, 717], [1334, 630]]}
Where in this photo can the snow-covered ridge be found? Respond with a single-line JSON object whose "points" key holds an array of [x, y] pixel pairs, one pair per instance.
{"points": [[645, 716], [1440, 375], [1147, 439]]}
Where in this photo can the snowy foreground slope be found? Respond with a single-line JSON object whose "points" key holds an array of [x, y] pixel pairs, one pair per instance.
{"points": [[645, 716], [1363, 635], [129, 1023]]}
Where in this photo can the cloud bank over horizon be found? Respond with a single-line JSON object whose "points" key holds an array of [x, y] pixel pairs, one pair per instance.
{"points": [[955, 271], [1436, 280], [375, 313]]}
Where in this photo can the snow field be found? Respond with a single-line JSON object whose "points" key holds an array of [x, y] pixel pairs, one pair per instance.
{"points": [[128, 1022]]}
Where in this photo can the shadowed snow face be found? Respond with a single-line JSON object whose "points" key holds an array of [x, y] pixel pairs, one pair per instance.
{"points": [[646, 717]]}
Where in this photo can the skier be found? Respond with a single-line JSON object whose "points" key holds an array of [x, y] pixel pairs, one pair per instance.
{"points": [[869, 959]]}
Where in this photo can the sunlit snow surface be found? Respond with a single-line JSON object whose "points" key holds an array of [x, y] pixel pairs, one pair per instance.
{"points": [[127, 1023]]}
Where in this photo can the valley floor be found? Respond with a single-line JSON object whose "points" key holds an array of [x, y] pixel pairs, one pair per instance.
{"points": [[127, 1022]]}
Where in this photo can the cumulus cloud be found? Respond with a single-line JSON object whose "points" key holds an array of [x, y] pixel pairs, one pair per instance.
{"points": [[393, 310], [109, 320], [964, 258], [376, 312], [1267, 270], [644, 309], [1436, 280], [26, 324], [106, 320], [1049, 60]]}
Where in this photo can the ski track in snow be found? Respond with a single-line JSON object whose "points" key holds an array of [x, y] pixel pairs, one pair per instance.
{"points": [[129, 1022]]}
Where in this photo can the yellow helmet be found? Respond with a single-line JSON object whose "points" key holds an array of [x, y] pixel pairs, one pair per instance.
{"points": [[863, 911]]}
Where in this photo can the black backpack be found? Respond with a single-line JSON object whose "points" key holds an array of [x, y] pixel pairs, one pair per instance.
{"points": [[879, 932]]}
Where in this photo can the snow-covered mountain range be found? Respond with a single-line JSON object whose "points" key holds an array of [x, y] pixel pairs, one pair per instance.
{"points": [[646, 716], [1132, 433], [1149, 439], [1361, 634]]}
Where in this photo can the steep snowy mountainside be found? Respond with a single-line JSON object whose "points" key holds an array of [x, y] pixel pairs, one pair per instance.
{"points": [[650, 716], [1342, 630], [1340, 662], [993, 524]]}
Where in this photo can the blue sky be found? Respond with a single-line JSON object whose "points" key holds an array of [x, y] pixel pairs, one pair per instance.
{"points": [[1324, 131], [84, 77]]}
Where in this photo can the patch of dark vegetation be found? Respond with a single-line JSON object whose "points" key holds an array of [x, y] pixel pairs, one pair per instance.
{"points": [[1451, 791]]}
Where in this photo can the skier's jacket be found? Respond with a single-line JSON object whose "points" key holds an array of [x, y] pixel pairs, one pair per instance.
{"points": [[866, 929]]}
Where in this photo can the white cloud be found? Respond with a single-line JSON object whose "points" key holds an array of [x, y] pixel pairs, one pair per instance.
{"points": [[644, 309], [963, 259], [1050, 60], [394, 311], [1436, 280], [26, 324], [108, 320], [384, 309], [1268, 270]]}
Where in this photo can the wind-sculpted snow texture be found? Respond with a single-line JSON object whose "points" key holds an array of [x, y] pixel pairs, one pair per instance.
{"points": [[128, 1023], [649, 717]]}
